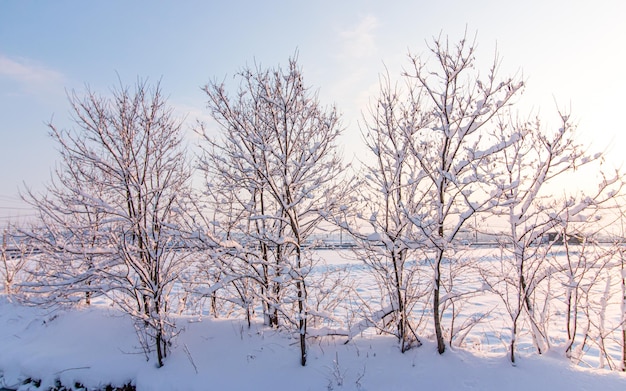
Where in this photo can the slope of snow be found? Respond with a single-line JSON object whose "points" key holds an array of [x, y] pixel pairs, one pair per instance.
{"points": [[97, 346]]}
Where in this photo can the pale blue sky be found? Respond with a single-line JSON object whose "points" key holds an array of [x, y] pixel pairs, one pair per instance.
{"points": [[571, 51]]}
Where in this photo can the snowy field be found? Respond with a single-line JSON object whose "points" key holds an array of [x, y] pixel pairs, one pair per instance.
{"points": [[95, 346]]}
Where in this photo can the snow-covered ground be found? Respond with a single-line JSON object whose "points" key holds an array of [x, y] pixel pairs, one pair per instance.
{"points": [[97, 345]]}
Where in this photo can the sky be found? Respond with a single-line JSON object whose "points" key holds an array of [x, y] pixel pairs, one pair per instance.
{"points": [[570, 53]]}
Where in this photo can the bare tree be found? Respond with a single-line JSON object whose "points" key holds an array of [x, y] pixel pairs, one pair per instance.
{"points": [[619, 252], [378, 222], [123, 175], [277, 158], [621, 263], [454, 149], [582, 269], [14, 254], [69, 234], [534, 216]]}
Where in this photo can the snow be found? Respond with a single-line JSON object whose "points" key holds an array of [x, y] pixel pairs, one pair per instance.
{"points": [[97, 345], [374, 237]]}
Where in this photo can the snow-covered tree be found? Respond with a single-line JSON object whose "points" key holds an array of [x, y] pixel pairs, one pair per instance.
{"points": [[377, 221], [582, 273], [68, 233], [532, 212], [618, 250], [622, 263], [276, 168], [114, 207], [453, 149], [14, 254]]}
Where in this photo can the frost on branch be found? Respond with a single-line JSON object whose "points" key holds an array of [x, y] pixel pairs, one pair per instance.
{"points": [[110, 221], [453, 147], [277, 161]]}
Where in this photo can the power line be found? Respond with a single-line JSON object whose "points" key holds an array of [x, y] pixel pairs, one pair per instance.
{"points": [[10, 197]]}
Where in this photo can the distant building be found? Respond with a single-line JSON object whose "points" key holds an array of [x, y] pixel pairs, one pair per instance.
{"points": [[557, 238]]}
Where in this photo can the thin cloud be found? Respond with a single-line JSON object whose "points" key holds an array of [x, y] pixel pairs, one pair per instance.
{"points": [[360, 41], [28, 75], [358, 57]]}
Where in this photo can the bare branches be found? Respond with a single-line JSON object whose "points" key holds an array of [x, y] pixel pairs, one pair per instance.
{"points": [[454, 145], [113, 210], [272, 177]]}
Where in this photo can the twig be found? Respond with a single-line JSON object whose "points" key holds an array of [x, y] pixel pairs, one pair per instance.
{"points": [[70, 369], [188, 353]]}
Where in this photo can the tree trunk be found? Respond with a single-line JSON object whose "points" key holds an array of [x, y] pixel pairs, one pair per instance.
{"points": [[441, 345], [302, 313], [623, 315], [159, 349], [401, 311], [513, 339]]}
